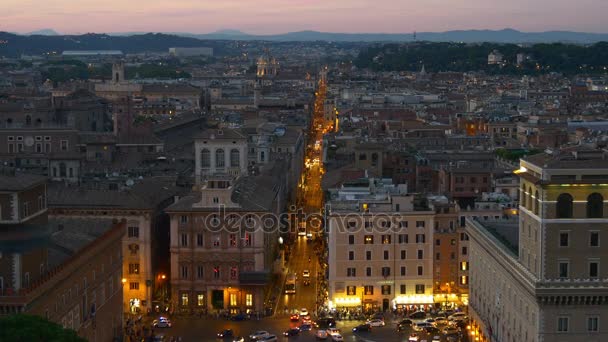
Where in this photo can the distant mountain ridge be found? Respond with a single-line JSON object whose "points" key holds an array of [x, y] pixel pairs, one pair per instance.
{"points": [[467, 36]]}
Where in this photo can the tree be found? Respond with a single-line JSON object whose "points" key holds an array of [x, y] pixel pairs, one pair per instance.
{"points": [[34, 328]]}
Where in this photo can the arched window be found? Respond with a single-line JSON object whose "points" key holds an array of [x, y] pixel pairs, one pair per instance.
{"points": [[537, 203], [235, 158], [220, 160], [205, 158], [116, 77], [522, 196], [564, 206], [374, 159], [529, 199], [595, 205]]}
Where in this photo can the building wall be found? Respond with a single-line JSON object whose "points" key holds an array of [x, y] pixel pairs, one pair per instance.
{"points": [[213, 146], [339, 263], [505, 310], [197, 250]]}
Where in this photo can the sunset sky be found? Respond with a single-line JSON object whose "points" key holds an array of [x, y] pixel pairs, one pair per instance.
{"points": [[280, 16]]}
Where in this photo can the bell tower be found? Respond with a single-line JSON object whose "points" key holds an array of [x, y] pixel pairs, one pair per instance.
{"points": [[118, 72]]}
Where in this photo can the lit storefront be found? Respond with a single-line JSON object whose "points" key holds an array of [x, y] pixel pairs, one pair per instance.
{"points": [[413, 302]]}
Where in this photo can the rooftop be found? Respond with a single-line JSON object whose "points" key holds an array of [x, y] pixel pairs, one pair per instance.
{"points": [[19, 181]]}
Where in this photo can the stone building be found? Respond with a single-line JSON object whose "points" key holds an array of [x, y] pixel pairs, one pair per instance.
{"points": [[540, 279]]}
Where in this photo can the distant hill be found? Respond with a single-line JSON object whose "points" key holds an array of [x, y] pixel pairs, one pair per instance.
{"points": [[16, 45], [44, 32], [466, 36]]}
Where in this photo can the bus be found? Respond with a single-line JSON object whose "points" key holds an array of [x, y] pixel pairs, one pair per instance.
{"points": [[290, 284], [302, 228]]}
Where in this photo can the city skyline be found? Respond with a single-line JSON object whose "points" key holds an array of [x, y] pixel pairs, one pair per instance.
{"points": [[278, 16]]}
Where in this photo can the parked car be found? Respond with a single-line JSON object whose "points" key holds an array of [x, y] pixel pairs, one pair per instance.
{"points": [[440, 321], [431, 330], [406, 321], [303, 312], [375, 322], [436, 339], [362, 328], [413, 338], [421, 326], [457, 316], [430, 320], [225, 333], [294, 318], [292, 332], [305, 326], [450, 331], [259, 335], [337, 338], [418, 315], [239, 339], [332, 331], [162, 322], [321, 335], [306, 274], [270, 338]]}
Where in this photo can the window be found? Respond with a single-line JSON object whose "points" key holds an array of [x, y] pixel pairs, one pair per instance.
{"points": [[368, 271], [184, 300], [63, 145], [133, 232], [220, 160], [199, 239], [420, 254], [593, 324], [386, 271], [25, 211], [200, 299], [351, 255], [564, 239], [420, 270], [247, 240], [437, 242], [216, 272], [133, 268], [403, 238], [134, 285], [419, 288], [184, 240], [464, 280], [369, 290], [351, 272], [386, 239], [249, 299], [594, 239], [594, 269], [437, 256], [403, 254], [595, 205], [232, 240], [351, 290], [385, 255], [402, 289], [464, 251], [184, 272], [420, 238], [369, 239], [200, 272], [235, 158], [563, 269], [403, 270], [351, 239], [562, 324], [233, 273], [183, 219], [386, 289], [464, 237], [216, 240], [402, 224], [564, 206], [205, 158], [464, 266], [419, 224]]}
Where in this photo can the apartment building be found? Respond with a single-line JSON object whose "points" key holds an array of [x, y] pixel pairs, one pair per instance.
{"points": [[540, 279], [380, 242]]}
